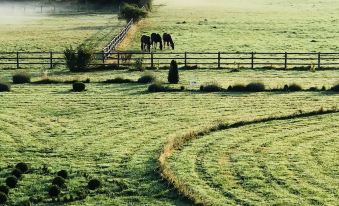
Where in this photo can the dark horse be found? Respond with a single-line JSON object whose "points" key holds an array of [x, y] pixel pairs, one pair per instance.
{"points": [[155, 39], [168, 40], [145, 43]]}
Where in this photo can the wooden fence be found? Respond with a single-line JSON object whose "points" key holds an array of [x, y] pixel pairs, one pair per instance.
{"points": [[284, 60], [117, 39]]}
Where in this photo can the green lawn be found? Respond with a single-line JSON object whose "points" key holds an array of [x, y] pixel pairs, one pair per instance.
{"points": [[256, 25], [289, 162], [116, 133]]}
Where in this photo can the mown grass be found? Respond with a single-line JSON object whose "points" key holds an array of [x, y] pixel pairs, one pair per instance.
{"points": [[259, 25], [282, 162], [56, 32], [115, 133]]}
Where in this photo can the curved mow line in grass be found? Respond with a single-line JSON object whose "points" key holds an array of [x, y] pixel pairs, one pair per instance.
{"points": [[176, 143]]}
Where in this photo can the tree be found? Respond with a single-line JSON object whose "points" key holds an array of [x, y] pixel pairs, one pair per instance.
{"points": [[173, 74]]}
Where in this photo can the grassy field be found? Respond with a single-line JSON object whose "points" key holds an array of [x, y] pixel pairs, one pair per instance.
{"points": [[116, 132], [56, 32], [257, 25], [289, 162]]}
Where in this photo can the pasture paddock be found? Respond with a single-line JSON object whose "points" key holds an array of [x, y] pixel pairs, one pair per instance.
{"points": [[116, 132], [55, 32], [238, 26]]}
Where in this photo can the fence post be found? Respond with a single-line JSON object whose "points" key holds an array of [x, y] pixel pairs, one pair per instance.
{"points": [[252, 60], [118, 59], [17, 60], [219, 60], [319, 59], [51, 60], [152, 63], [185, 59], [285, 60], [103, 57]]}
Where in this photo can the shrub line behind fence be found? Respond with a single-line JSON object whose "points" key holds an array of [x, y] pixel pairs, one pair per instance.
{"points": [[156, 59]]}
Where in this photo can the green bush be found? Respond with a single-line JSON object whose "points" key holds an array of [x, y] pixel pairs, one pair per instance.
{"points": [[4, 87], [17, 173], [11, 181], [53, 191], [94, 184], [173, 73], [4, 189], [118, 80], [21, 78], [157, 87], [63, 174], [146, 79], [79, 87], [138, 64], [23, 167], [293, 88], [255, 87], [213, 87], [335, 88], [78, 60], [3, 198], [132, 11], [237, 88], [59, 181]]}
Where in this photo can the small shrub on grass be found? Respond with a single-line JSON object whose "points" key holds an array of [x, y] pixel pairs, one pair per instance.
{"points": [[313, 89], [157, 87], [214, 87], [335, 88], [173, 73], [132, 11], [294, 88], [21, 78], [17, 173], [79, 87], [187, 67], [78, 60], [255, 87], [323, 88], [4, 87], [94, 184], [53, 191], [3, 198], [11, 181], [63, 174], [23, 167], [59, 181], [237, 88], [138, 64], [4, 189], [118, 80], [146, 79]]}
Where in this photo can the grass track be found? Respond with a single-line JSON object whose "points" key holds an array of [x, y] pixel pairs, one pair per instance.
{"points": [[263, 164]]}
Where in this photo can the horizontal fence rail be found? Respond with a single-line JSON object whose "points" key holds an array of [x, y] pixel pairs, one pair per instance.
{"points": [[282, 60]]}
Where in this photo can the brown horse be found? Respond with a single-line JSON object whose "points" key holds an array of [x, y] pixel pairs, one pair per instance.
{"points": [[145, 43], [168, 40], [155, 39]]}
